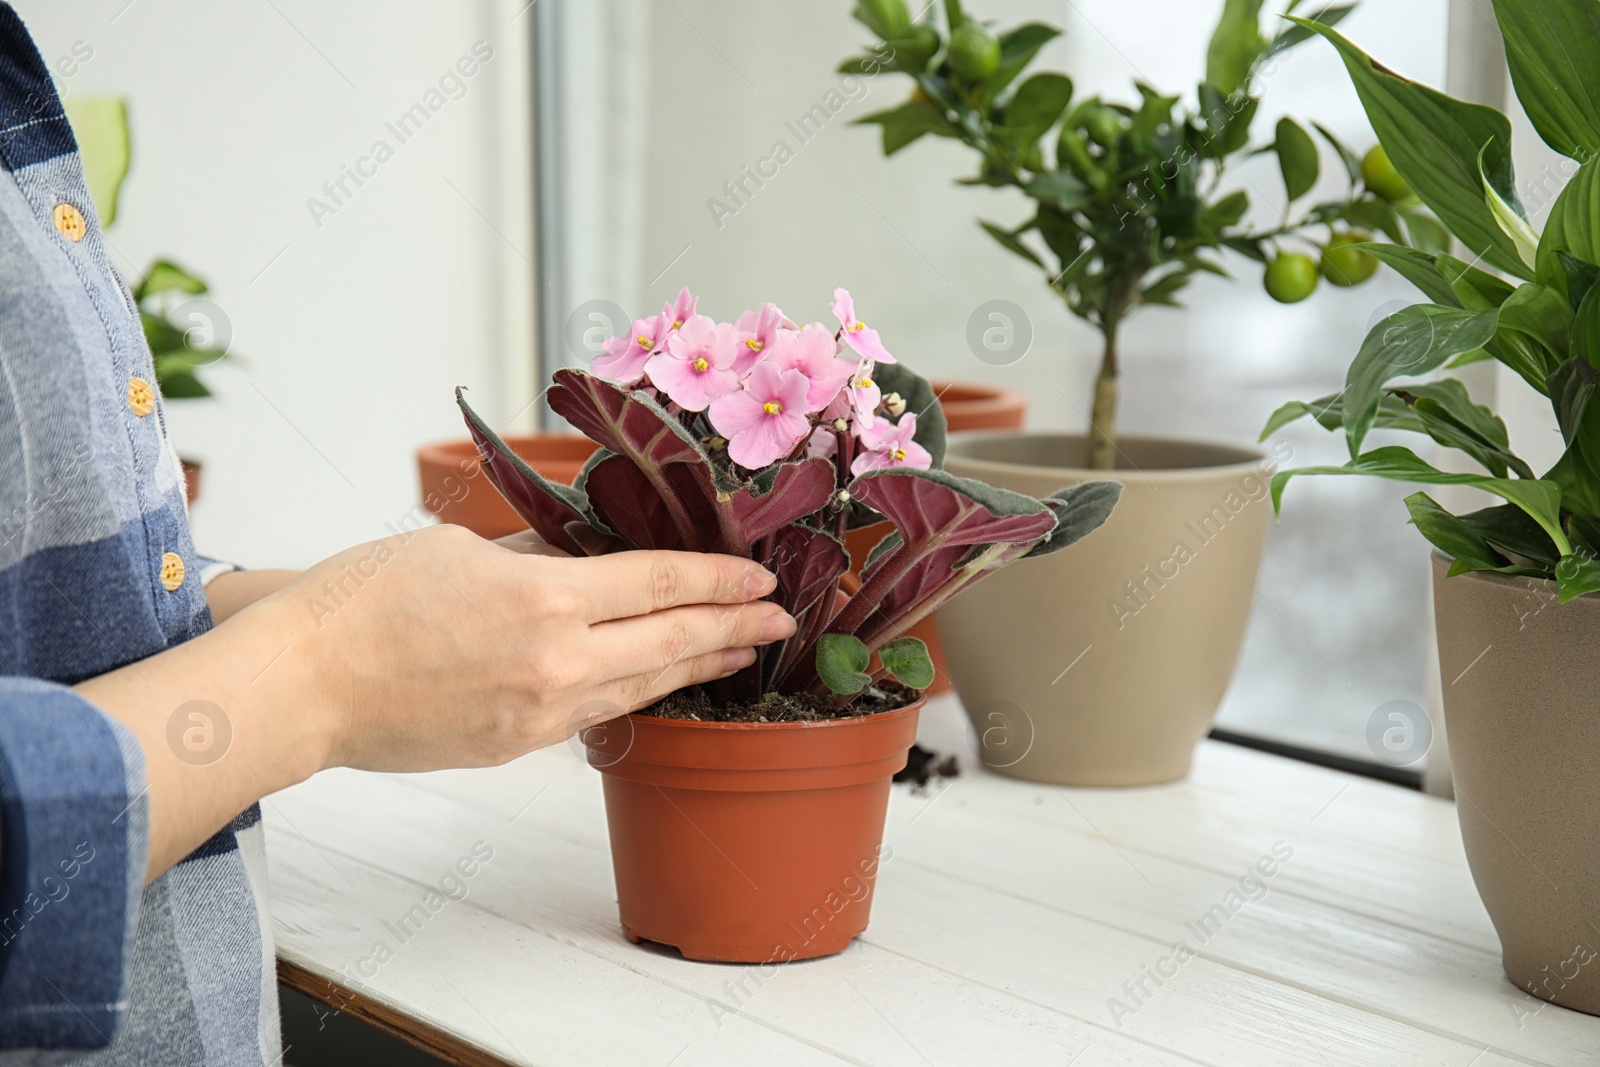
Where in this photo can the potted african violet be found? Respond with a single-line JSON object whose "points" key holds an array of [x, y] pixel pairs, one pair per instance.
{"points": [[1105, 667], [746, 816], [1516, 587]]}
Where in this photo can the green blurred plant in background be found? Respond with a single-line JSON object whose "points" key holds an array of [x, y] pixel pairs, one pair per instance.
{"points": [[100, 124], [1128, 204]]}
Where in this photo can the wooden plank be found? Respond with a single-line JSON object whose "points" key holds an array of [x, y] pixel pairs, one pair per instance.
{"points": [[536, 899]]}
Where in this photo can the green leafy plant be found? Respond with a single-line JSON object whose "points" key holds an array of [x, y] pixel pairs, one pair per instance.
{"points": [[100, 125], [1545, 326], [171, 336], [1128, 203]]}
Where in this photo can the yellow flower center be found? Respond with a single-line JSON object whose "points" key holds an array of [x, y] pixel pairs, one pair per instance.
{"points": [[676, 323], [898, 455], [753, 345], [642, 341], [700, 365], [772, 407], [864, 383], [858, 327]]}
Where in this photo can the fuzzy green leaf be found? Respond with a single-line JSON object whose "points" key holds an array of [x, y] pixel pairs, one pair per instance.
{"points": [[907, 660], [842, 661]]}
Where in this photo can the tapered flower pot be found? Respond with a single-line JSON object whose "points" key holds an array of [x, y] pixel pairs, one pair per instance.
{"points": [[1104, 666], [748, 842], [1521, 681], [455, 490]]}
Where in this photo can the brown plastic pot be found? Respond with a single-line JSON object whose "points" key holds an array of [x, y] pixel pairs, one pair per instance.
{"points": [[968, 406], [454, 489], [1522, 711], [748, 842]]}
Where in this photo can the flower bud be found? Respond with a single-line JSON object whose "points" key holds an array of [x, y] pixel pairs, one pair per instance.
{"points": [[842, 496], [841, 425], [896, 404]]}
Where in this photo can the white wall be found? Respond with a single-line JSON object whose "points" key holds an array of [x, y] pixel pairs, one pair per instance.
{"points": [[353, 333]]}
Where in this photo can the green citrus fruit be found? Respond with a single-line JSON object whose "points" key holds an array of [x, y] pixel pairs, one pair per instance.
{"points": [[1381, 177], [974, 52], [1106, 125], [1291, 277], [919, 46], [1345, 265]]}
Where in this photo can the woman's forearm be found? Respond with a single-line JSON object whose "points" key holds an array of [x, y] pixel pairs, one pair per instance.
{"points": [[233, 591], [224, 720]]}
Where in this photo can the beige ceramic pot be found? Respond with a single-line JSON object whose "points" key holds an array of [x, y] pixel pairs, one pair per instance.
{"points": [[1522, 709], [1103, 665]]}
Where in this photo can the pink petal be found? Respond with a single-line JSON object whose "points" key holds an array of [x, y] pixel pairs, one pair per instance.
{"points": [[869, 461], [734, 413], [844, 307], [768, 440]]}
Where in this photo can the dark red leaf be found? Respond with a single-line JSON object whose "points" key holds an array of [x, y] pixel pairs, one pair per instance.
{"points": [[547, 507]]}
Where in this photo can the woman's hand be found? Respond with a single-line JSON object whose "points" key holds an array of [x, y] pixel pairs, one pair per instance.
{"points": [[429, 650], [445, 650]]}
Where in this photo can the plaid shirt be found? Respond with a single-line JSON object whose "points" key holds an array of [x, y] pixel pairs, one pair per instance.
{"points": [[95, 967]]}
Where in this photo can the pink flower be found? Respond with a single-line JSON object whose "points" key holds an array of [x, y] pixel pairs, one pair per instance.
{"points": [[766, 419], [813, 352], [758, 331], [625, 357], [681, 310], [697, 364], [864, 393], [855, 333], [889, 444]]}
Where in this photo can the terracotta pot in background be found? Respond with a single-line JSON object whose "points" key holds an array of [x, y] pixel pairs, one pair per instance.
{"points": [[968, 406], [748, 842], [1523, 717], [191, 479], [454, 489], [1103, 665]]}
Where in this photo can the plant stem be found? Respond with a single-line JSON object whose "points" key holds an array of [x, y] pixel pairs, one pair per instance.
{"points": [[1102, 450]]}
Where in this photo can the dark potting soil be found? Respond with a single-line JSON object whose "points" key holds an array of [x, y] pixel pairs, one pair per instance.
{"points": [[695, 705], [924, 765]]}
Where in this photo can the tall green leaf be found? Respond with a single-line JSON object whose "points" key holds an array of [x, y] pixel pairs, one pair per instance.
{"points": [[1573, 227], [100, 124], [1553, 47], [1235, 46], [1540, 499], [1434, 141], [1419, 268], [1407, 343]]}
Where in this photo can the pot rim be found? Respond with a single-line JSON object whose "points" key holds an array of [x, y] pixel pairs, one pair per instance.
{"points": [[448, 451], [1496, 578], [882, 716], [987, 395], [1170, 474]]}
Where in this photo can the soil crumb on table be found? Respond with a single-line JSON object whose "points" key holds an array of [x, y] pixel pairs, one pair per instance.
{"points": [[923, 766], [695, 704]]}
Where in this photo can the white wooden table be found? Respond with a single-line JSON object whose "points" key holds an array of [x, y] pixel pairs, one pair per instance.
{"points": [[1013, 925]]}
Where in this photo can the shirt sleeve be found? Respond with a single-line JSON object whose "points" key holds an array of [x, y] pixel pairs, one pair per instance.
{"points": [[73, 850]]}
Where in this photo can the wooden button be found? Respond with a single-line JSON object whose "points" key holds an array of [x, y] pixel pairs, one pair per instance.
{"points": [[141, 397], [69, 222], [171, 571]]}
